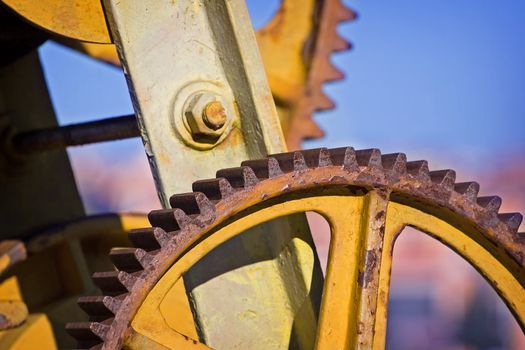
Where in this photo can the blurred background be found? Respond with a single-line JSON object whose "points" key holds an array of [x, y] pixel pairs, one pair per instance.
{"points": [[441, 80]]}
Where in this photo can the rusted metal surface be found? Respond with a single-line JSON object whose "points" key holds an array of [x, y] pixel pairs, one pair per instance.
{"points": [[284, 179], [296, 46], [40, 140]]}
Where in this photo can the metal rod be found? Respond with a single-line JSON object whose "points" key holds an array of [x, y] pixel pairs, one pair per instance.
{"points": [[116, 128]]}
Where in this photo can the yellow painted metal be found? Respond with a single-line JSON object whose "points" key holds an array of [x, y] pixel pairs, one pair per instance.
{"points": [[59, 267], [77, 19], [465, 242], [35, 333], [352, 315], [149, 320]]}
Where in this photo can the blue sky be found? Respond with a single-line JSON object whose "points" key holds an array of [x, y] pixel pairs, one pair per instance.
{"points": [[436, 79]]}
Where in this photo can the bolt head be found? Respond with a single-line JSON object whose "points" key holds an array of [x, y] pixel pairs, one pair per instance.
{"points": [[206, 116], [214, 115]]}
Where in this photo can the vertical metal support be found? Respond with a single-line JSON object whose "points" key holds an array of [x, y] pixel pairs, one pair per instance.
{"points": [[173, 51], [35, 191], [189, 62]]}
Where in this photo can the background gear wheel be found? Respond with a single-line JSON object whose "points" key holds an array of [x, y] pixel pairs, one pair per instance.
{"points": [[381, 193]]}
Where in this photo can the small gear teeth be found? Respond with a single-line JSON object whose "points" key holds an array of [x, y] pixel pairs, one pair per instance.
{"points": [[323, 102], [330, 72], [490, 203], [344, 13], [292, 161], [369, 157], [469, 190], [512, 220], [418, 169], [171, 219], [100, 307], [241, 177], [88, 334], [395, 162], [264, 168], [194, 203], [318, 157], [149, 239], [214, 189], [345, 157], [130, 259], [445, 178], [341, 44], [114, 283]]}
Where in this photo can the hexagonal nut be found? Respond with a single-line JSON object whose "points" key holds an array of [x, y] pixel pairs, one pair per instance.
{"points": [[206, 116]]}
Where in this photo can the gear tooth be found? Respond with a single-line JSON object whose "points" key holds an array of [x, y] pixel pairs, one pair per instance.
{"points": [[490, 203], [273, 168], [369, 157], [291, 161], [329, 71], [130, 259], [512, 220], [344, 13], [324, 157], [323, 102], [100, 307], [469, 190], [264, 168], [445, 178], [240, 177], [183, 220], [214, 189], [341, 44], [88, 334], [149, 239], [194, 203], [396, 162], [418, 168], [285, 161], [186, 202], [165, 219], [114, 283], [299, 163], [345, 157]]}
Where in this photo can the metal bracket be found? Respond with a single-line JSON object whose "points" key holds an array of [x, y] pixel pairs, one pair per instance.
{"points": [[174, 51]]}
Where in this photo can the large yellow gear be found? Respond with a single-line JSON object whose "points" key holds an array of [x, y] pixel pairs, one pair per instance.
{"points": [[367, 198]]}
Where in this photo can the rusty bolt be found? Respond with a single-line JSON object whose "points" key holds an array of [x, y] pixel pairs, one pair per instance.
{"points": [[206, 115], [214, 115]]}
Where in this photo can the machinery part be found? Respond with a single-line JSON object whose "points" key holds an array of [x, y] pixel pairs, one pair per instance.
{"points": [[296, 46], [41, 140], [366, 197], [35, 333], [205, 47], [57, 271], [79, 19], [175, 52]]}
